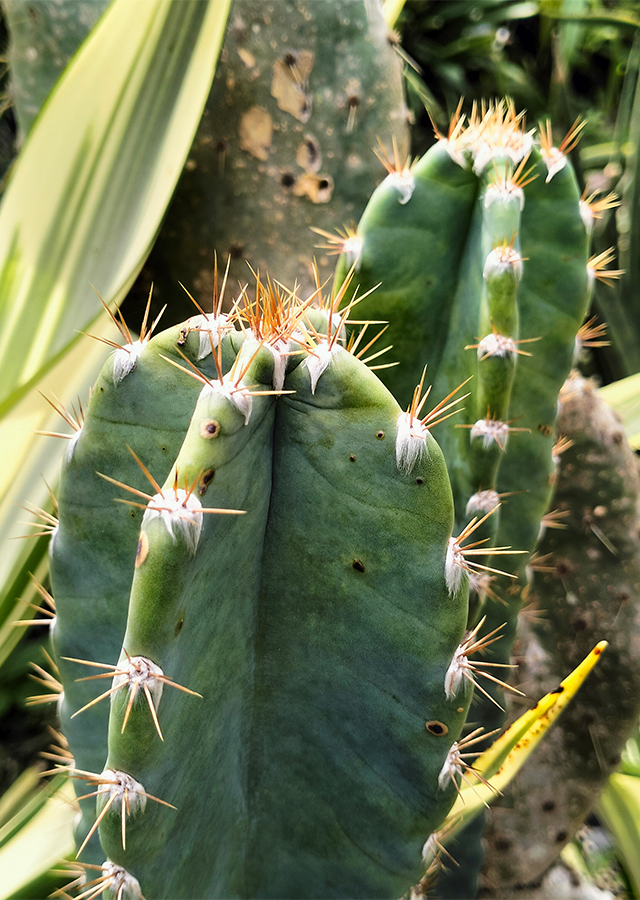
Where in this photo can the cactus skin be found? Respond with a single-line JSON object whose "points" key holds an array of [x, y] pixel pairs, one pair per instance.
{"points": [[413, 251], [95, 542], [318, 628], [276, 166], [587, 590], [548, 302]]}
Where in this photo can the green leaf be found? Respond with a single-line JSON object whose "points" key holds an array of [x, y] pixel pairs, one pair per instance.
{"points": [[96, 174], [620, 809], [39, 835]]}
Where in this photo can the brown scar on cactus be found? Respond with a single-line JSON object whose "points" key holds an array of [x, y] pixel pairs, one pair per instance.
{"points": [[255, 132], [290, 82], [138, 672], [316, 187]]}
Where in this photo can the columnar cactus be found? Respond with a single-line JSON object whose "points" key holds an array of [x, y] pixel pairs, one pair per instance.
{"points": [[315, 607], [481, 246]]}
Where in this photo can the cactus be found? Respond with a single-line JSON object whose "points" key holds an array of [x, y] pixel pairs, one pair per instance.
{"points": [[489, 241], [321, 623], [276, 391], [586, 583], [90, 565]]}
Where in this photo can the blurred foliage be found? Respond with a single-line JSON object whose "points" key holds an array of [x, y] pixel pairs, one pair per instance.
{"points": [[526, 49]]}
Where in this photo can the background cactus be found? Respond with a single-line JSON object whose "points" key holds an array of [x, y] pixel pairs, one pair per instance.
{"points": [[587, 583], [504, 313]]}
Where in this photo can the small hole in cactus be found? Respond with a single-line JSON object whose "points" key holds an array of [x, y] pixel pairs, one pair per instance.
{"points": [[210, 428], [289, 59], [323, 184], [358, 566], [353, 101], [380, 435], [419, 480], [437, 728], [352, 457], [502, 845], [287, 179], [236, 250], [548, 806], [561, 837]]}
